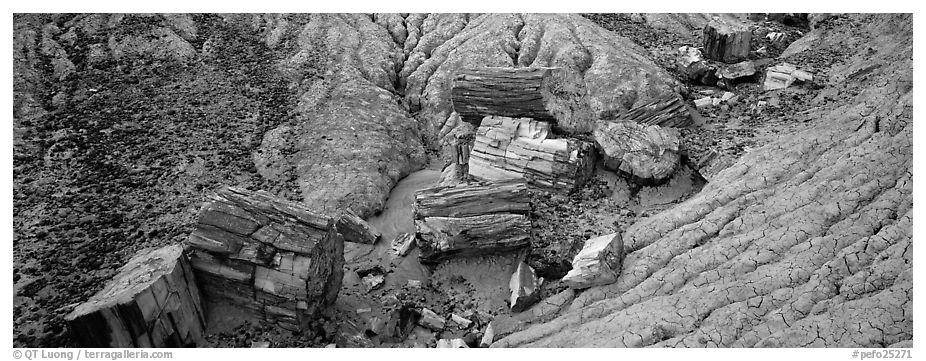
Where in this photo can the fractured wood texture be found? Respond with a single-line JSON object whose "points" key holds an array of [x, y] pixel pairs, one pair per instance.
{"points": [[471, 219], [726, 41], [152, 302], [508, 148], [671, 112], [473, 199], [266, 255], [548, 94]]}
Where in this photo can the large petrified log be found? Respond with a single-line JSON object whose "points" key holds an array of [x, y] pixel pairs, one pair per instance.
{"points": [[726, 40], [508, 148], [440, 238], [648, 155], [471, 218], [275, 258], [473, 199], [668, 112], [548, 94], [152, 302]]}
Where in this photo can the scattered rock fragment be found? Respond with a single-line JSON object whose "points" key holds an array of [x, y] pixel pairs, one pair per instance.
{"points": [[525, 288], [690, 62], [414, 283], [487, 337], [260, 344], [355, 229], [598, 263], [431, 320], [399, 324], [376, 325], [462, 322], [403, 244], [646, 154], [783, 75], [450, 176], [372, 279], [713, 101], [704, 102], [454, 343], [733, 74]]}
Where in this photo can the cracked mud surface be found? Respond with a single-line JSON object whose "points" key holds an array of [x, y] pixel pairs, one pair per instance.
{"points": [[802, 237]]}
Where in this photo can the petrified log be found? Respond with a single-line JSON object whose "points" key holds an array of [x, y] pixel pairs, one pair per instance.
{"points": [[598, 263], [670, 112], [152, 302], [355, 229], [440, 238], [268, 256], [648, 155], [548, 94], [726, 41], [508, 148], [525, 287], [473, 199]]}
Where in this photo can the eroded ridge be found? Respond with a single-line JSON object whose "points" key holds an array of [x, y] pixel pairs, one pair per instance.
{"points": [[805, 241]]}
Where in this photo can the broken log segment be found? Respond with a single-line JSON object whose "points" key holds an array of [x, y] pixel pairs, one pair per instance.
{"points": [[267, 256], [440, 238], [554, 95], [152, 302], [472, 199], [508, 148], [726, 40]]}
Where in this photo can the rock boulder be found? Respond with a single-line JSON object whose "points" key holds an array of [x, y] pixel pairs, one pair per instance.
{"points": [[648, 154]]}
